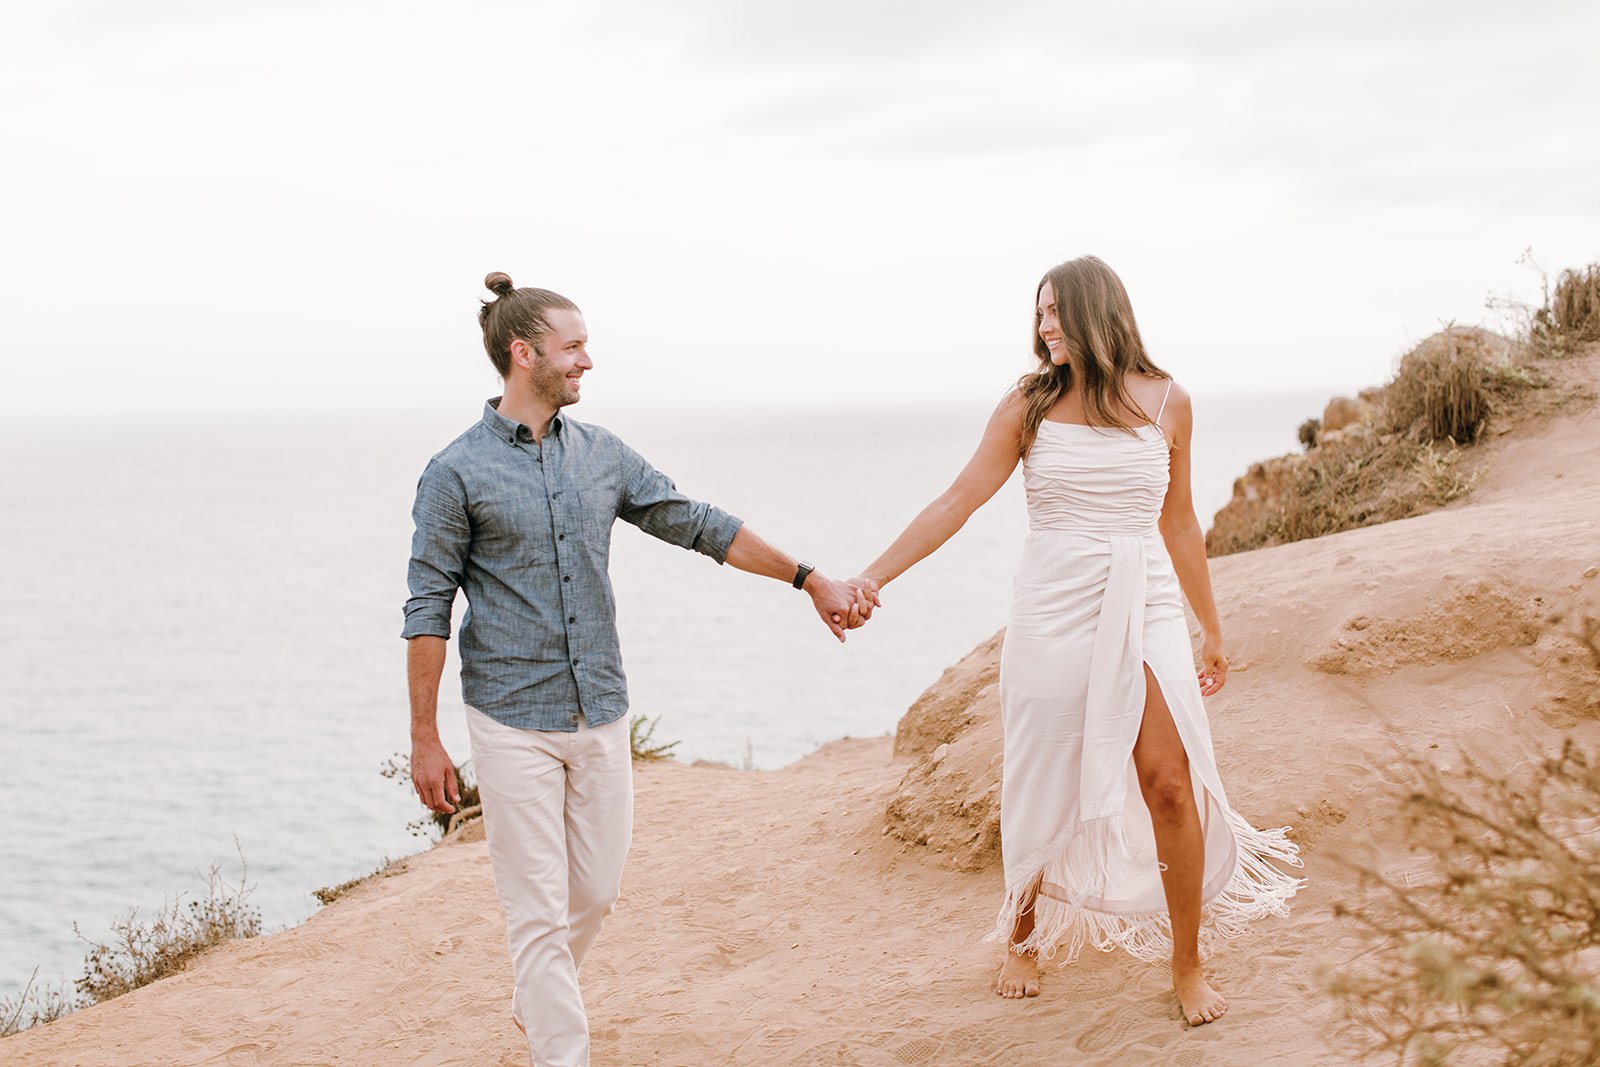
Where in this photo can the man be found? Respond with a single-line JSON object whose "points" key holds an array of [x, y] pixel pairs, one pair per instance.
{"points": [[518, 511]]}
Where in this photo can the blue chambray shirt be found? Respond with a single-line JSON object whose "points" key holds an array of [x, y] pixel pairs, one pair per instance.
{"points": [[525, 529]]}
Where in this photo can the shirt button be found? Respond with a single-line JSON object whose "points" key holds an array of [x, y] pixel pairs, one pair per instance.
{"points": [[572, 618], [561, 537], [576, 662], [576, 717], [556, 494], [566, 577]]}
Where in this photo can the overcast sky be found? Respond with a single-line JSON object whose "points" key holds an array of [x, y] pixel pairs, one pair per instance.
{"points": [[290, 204]]}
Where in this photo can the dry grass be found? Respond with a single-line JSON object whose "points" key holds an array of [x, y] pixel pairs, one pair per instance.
{"points": [[1446, 394], [1439, 393], [1496, 957], [1566, 317], [143, 951], [330, 893], [1572, 312], [1336, 488], [1440, 478], [430, 823], [641, 734], [140, 951], [1308, 433], [1414, 457], [34, 1006]]}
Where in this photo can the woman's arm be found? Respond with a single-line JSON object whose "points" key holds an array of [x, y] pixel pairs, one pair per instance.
{"points": [[984, 474], [1186, 544]]}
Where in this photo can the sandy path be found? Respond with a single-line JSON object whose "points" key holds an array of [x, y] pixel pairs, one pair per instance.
{"points": [[787, 930], [768, 919]]}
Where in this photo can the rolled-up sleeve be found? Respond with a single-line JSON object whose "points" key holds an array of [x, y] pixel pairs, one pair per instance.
{"points": [[438, 552], [652, 503]]}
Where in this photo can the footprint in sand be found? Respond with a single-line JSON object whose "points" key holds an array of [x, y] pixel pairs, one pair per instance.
{"points": [[918, 1050], [977, 1044], [1109, 1031], [893, 989], [446, 945], [470, 922], [312, 949], [246, 1055], [1278, 970], [1397, 774], [1144, 1052], [395, 1004], [1083, 988], [767, 1045]]}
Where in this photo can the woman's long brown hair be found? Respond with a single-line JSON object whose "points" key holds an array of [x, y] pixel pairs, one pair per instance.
{"points": [[1103, 347]]}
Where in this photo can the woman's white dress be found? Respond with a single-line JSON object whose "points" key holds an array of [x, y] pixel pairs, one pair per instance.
{"points": [[1095, 599]]}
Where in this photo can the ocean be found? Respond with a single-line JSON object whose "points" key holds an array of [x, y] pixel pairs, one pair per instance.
{"points": [[202, 657]]}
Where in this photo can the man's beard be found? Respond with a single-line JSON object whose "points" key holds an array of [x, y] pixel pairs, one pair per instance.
{"points": [[549, 384]]}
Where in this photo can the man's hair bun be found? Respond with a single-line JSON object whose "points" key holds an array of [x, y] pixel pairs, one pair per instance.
{"points": [[499, 283]]}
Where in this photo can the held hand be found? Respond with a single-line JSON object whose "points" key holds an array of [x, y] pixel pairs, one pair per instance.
{"points": [[867, 599], [434, 776], [840, 606], [1213, 673]]}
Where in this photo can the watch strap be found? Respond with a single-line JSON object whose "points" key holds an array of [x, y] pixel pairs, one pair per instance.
{"points": [[802, 574]]}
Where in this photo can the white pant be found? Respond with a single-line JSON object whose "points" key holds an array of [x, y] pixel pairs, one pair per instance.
{"points": [[558, 815]]}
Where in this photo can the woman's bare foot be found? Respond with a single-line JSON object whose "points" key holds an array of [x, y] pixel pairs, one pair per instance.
{"points": [[1019, 976], [1201, 1004]]}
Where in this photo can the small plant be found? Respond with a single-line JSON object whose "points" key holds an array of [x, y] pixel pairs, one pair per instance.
{"points": [[1309, 431], [1441, 479], [1572, 312], [1491, 957], [140, 952], [397, 768], [1567, 315], [1438, 392], [1508, 376], [641, 734], [34, 1006], [330, 893]]}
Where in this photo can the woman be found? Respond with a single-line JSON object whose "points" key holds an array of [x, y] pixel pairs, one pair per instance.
{"points": [[1114, 825]]}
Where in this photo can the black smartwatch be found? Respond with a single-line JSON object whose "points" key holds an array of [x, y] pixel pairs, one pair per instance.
{"points": [[802, 574]]}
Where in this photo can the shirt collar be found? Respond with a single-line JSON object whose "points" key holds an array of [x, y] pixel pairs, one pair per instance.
{"points": [[508, 430]]}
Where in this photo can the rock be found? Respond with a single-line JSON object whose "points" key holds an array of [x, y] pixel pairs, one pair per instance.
{"points": [[946, 708], [1591, 572], [1343, 411], [949, 799]]}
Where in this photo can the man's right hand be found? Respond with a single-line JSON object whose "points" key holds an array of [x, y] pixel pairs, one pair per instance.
{"points": [[434, 776]]}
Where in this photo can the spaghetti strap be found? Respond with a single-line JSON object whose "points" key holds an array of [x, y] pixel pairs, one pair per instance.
{"points": [[1163, 406]]}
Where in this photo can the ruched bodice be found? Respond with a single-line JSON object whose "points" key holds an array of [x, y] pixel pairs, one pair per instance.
{"points": [[1096, 479]]}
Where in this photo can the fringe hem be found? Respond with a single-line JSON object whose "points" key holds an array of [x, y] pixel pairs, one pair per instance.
{"points": [[1256, 890]]}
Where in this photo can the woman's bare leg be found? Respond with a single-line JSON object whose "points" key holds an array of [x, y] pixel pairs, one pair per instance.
{"points": [[1164, 780], [1019, 974]]}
